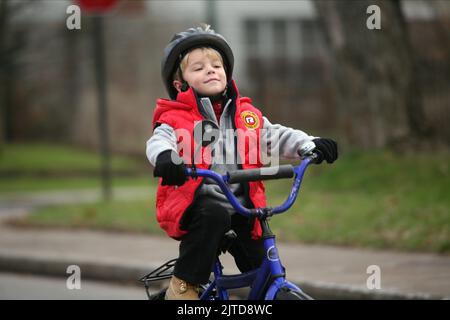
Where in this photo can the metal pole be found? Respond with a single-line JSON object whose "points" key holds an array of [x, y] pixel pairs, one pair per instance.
{"points": [[100, 75]]}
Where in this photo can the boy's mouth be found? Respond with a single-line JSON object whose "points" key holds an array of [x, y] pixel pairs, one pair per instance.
{"points": [[208, 81]]}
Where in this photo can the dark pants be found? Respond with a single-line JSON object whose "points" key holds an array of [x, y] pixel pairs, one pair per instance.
{"points": [[206, 223]]}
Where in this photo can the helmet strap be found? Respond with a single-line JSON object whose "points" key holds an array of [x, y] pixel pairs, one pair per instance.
{"points": [[218, 97], [184, 86]]}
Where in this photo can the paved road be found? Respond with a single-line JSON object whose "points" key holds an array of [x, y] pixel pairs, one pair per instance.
{"points": [[18, 287], [340, 271]]}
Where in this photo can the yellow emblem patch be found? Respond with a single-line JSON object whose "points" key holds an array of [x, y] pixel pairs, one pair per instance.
{"points": [[251, 120]]}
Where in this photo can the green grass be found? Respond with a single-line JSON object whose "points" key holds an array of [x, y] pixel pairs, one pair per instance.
{"points": [[27, 184], [370, 199], [43, 157], [42, 167], [123, 216]]}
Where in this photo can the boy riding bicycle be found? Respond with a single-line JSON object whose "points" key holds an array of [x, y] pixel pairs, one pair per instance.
{"points": [[197, 70]]}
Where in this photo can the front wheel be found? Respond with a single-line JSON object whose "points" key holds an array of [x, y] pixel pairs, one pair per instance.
{"points": [[289, 294]]}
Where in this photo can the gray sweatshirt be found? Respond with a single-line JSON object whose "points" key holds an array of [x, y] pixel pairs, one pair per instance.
{"points": [[277, 142]]}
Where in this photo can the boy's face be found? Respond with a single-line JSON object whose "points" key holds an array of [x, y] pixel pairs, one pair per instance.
{"points": [[205, 73]]}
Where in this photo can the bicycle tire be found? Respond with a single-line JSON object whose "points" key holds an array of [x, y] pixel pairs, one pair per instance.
{"points": [[289, 294], [157, 296]]}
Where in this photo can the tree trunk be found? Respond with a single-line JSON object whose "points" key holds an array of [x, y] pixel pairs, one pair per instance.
{"points": [[3, 73], [11, 43], [441, 26], [379, 103]]}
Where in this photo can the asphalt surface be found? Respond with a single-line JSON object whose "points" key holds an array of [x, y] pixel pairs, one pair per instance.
{"points": [[35, 287], [325, 272]]}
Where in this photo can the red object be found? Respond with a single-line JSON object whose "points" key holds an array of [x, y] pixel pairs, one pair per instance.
{"points": [[96, 6], [217, 106], [171, 202]]}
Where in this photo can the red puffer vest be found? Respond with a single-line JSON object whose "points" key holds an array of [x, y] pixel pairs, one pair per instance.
{"points": [[182, 115]]}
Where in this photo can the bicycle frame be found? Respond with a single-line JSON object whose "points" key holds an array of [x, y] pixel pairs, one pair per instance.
{"points": [[269, 278]]}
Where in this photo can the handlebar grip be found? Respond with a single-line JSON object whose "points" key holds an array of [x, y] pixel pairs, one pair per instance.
{"points": [[266, 173]]}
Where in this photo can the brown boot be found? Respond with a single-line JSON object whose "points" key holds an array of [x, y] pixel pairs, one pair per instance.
{"points": [[181, 290]]}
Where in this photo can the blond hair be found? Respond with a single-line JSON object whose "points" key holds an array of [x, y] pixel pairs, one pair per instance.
{"points": [[208, 51]]}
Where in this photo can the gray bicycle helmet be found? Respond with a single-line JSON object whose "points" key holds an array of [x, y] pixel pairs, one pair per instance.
{"points": [[187, 40]]}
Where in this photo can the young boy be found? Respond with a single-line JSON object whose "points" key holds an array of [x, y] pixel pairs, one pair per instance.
{"points": [[197, 70]]}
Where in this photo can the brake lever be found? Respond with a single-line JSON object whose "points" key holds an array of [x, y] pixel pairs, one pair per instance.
{"points": [[314, 156]]}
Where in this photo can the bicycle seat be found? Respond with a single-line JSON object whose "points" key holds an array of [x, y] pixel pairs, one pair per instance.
{"points": [[227, 241]]}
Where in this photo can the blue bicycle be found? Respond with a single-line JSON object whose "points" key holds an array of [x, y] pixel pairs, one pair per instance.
{"points": [[267, 282]]}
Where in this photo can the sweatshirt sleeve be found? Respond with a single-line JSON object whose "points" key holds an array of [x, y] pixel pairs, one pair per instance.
{"points": [[284, 140], [163, 139]]}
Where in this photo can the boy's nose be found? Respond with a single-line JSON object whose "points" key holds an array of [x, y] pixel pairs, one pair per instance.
{"points": [[211, 70]]}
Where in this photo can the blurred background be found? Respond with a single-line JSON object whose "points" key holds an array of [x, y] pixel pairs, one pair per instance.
{"points": [[383, 94], [310, 65]]}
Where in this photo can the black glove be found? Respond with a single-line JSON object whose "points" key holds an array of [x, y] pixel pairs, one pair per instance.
{"points": [[166, 167], [326, 149]]}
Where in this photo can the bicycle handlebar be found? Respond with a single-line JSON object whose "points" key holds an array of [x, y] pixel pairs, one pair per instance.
{"points": [[267, 173]]}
